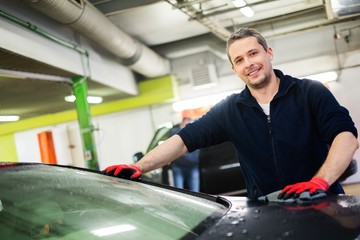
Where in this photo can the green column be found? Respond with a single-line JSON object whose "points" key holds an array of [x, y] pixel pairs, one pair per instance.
{"points": [[84, 118]]}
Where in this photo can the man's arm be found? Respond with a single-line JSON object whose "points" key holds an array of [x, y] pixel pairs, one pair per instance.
{"points": [[173, 148], [168, 151], [340, 154]]}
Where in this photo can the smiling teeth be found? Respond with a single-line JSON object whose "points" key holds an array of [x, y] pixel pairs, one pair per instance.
{"points": [[252, 72]]}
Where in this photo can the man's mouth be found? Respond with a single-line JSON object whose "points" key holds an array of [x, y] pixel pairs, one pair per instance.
{"points": [[253, 72]]}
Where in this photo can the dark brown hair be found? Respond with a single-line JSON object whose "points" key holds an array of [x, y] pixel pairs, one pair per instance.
{"points": [[244, 33]]}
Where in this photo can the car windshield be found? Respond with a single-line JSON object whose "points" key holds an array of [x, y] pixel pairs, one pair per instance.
{"points": [[49, 202]]}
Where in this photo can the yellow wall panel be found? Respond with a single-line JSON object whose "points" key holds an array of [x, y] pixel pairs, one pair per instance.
{"points": [[8, 149]]}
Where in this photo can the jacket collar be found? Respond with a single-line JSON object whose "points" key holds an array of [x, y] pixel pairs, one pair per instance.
{"points": [[286, 82]]}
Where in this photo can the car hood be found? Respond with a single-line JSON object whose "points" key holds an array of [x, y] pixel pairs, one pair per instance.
{"points": [[333, 217]]}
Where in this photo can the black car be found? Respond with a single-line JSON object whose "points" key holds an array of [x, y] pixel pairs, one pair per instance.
{"points": [[220, 171], [39, 201]]}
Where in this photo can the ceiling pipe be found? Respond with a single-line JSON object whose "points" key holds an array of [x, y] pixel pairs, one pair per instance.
{"points": [[83, 17], [193, 13]]}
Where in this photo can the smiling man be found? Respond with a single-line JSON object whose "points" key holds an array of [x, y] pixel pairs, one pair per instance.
{"points": [[289, 134]]}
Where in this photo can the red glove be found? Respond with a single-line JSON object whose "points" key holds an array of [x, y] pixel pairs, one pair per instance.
{"points": [[123, 171], [315, 185]]}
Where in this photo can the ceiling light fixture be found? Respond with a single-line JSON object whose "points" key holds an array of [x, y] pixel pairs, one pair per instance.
{"points": [[239, 3], [9, 118], [70, 98], [90, 99], [324, 77], [94, 100], [247, 11], [203, 101]]}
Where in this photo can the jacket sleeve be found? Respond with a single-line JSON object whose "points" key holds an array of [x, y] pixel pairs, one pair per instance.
{"points": [[207, 130], [330, 116]]}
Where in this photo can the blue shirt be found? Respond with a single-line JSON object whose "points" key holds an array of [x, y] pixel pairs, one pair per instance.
{"points": [[286, 147]]}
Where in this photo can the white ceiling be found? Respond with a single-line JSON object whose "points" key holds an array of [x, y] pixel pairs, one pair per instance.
{"points": [[163, 22]]}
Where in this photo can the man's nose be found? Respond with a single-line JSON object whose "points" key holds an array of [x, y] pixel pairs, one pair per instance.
{"points": [[248, 62]]}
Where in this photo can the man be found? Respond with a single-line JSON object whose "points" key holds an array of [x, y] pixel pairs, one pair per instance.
{"points": [[289, 134], [186, 171]]}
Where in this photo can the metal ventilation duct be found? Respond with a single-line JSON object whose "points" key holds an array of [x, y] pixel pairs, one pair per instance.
{"points": [[87, 20]]}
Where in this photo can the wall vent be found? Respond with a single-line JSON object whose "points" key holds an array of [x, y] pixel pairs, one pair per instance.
{"points": [[203, 76]]}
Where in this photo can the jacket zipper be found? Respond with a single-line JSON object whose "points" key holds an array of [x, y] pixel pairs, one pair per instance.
{"points": [[270, 128], [273, 146]]}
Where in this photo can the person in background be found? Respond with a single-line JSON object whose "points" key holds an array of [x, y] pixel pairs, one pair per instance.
{"points": [[289, 134], [186, 171]]}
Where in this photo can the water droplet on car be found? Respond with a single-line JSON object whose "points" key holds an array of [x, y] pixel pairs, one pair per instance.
{"points": [[244, 231], [229, 234], [241, 219], [257, 210], [234, 222], [287, 234]]}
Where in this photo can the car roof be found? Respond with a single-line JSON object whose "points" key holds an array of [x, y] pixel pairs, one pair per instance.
{"points": [[334, 217]]}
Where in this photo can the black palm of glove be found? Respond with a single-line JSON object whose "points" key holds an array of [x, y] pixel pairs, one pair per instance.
{"points": [[315, 186], [123, 171]]}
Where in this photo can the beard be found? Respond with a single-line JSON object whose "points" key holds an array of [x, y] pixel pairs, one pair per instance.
{"points": [[259, 82]]}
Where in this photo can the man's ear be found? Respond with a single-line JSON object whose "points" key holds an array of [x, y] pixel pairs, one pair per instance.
{"points": [[270, 53]]}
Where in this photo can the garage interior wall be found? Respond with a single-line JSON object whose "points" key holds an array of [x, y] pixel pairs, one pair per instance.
{"points": [[117, 137], [8, 148]]}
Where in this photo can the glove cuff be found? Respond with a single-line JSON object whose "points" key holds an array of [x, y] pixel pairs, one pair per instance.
{"points": [[137, 172], [320, 182]]}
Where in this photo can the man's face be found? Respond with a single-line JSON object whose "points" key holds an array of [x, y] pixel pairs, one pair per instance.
{"points": [[251, 62]]}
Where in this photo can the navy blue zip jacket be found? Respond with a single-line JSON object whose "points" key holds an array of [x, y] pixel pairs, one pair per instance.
{"points": [[286, 147]]}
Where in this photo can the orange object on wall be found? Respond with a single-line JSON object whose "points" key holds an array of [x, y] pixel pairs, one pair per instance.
{"points": [[195, 113], [47, 148]]}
